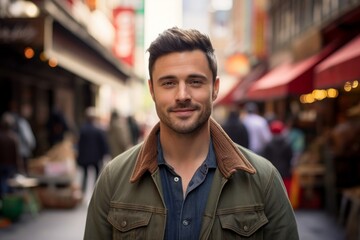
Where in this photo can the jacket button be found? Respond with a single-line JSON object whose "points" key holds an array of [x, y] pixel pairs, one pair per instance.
{"points": [[246, 228], [124, 223]]}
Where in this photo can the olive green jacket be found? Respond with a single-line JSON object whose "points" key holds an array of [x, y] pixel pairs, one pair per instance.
{"points": [[247, 198]]}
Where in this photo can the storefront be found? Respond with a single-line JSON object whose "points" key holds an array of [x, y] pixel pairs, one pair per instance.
{"points": [[341, 71], [54, 66], [51, 62], [287, 81], [341, 115]]}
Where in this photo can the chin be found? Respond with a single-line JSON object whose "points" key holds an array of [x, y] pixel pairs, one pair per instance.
{"points": [[187, 128]]}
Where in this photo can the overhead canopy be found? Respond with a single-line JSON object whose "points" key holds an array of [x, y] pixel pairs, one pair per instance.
{"points": [[288, 78], [74, 50], [77, 51], [238, 92], [343, 65], [77, 57]]}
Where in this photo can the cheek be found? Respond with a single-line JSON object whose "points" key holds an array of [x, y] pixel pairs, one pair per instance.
{"points": [[162, 98]]}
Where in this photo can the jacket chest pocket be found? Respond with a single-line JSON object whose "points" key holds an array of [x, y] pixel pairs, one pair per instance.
{"points": [[242, 223], [129, 224]]}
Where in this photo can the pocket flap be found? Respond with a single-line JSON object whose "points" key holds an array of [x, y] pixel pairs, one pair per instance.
{"points": [[244, 222], [125, 220]]}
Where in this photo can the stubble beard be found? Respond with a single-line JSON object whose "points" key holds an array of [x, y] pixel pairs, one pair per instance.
{"points": [[187, 126]]}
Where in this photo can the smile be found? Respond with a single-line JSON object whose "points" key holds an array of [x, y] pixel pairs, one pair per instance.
{"points": [[183, 112]]}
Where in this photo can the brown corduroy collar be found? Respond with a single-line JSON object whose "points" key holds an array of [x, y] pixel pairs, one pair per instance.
{"points": [[228, 157]]}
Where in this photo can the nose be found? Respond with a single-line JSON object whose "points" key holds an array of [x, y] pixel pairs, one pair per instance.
{"points": [[183, 93]]}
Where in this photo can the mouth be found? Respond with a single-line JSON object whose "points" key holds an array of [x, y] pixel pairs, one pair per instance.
{"points": [[183, 112]]}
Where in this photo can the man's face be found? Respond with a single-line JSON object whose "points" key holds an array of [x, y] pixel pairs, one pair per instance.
{"points": [[183, 90]]}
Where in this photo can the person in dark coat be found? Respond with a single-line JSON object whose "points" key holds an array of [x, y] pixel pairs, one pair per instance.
{"points": [[57, 126], [279, 152], [92, 146], [236, 130], [118, 134]]}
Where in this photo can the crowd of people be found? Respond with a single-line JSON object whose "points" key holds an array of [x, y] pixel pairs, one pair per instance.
{"points": [[93, 143], [97, 145], [281, 142]]}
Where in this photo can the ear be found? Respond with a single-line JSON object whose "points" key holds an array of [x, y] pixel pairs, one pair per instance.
{"points": [[216, 88], [151, 89]]}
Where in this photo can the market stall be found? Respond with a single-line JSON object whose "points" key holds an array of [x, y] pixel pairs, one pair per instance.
{"points": [[56, 173]]}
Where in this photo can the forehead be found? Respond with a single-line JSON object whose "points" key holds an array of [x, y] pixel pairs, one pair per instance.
{"points": [[181, 63]]}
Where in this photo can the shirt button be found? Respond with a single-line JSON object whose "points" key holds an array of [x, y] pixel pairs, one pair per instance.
{"points": [[246, 228], [124, 223], [176, 179], [185, 222]]}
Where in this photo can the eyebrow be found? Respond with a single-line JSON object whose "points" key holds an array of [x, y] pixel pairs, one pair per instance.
{"points": [[197, 76], [190, 76], [167, 77]]}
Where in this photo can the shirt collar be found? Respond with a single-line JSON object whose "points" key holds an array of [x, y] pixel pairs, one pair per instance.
{"points": [[229, 158], [210, 160]]}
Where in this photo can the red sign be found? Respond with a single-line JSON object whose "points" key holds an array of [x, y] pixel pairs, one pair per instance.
{"points": [[124, 45]]}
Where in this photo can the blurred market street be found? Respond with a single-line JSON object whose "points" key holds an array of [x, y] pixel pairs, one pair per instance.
{"points": [[68, 68]]}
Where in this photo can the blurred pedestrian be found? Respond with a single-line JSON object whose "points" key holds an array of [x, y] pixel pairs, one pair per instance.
{"points": [[92, 145], [257, 126], [235, 128], [278, 151], [27, 141], [296, 138], [118, 134], [134, 129], [57, 126], [10, 159]]}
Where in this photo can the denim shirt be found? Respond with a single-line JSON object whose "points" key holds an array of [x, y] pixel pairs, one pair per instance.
{"points": [[184, 214]]}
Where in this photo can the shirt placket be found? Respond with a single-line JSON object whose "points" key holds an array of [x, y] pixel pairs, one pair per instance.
{"points": [[190, 204]]}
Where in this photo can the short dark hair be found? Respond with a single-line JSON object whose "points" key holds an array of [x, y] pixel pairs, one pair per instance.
{"points": [[180, 40]]}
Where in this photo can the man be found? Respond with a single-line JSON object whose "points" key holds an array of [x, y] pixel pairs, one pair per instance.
{"points": [[279, 152], [258, 128], [234, 127], [188, 180], [92, 146], [22, 127]]}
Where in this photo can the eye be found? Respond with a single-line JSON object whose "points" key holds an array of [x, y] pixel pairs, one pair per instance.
{"points": [[168, 83], [196, 82]]}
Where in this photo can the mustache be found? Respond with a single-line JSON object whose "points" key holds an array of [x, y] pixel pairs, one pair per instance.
{"points": [[183, 105]]}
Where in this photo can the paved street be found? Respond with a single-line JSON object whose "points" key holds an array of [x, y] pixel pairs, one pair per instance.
{"points": [[50, 224], [317, 225], [69, 225]]}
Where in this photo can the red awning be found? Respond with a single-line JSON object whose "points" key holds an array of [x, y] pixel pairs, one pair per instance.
{"points": [[238, 92], [288, 78], [341, 66]]}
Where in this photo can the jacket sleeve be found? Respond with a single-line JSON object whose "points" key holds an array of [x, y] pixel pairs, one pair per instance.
{"points": [[282, 223], [97, 226]]}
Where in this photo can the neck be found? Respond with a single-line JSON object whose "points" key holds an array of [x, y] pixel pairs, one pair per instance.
{"points": [[184, 149], [185, 152]]}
